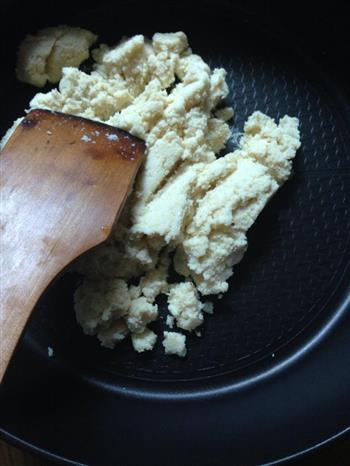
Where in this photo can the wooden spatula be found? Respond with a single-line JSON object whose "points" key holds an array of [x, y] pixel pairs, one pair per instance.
{"points": [[64, 181]]}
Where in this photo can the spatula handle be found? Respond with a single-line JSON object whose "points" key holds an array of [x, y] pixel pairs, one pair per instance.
{"points": [[38, 238], [25, 275]]}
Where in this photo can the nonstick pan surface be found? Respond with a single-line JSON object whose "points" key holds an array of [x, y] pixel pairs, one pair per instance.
{"points": [[270, 377]]}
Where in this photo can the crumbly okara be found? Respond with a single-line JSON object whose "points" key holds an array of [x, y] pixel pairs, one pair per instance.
{"points": [[188, 204], [175, 343], [41, 57]]}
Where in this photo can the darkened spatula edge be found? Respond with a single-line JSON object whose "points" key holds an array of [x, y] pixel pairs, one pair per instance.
{"points": [[34, 117]]}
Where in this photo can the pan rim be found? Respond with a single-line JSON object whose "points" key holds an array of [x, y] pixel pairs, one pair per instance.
{"points": [[31, 448]]}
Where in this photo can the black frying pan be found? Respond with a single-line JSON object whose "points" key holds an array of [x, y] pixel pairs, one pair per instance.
{"points": [[270, 378]]}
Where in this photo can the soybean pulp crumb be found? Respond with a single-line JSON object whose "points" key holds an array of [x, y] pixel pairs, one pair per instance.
{"points": [[175, 343], [41, 57], [189, 207]]}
